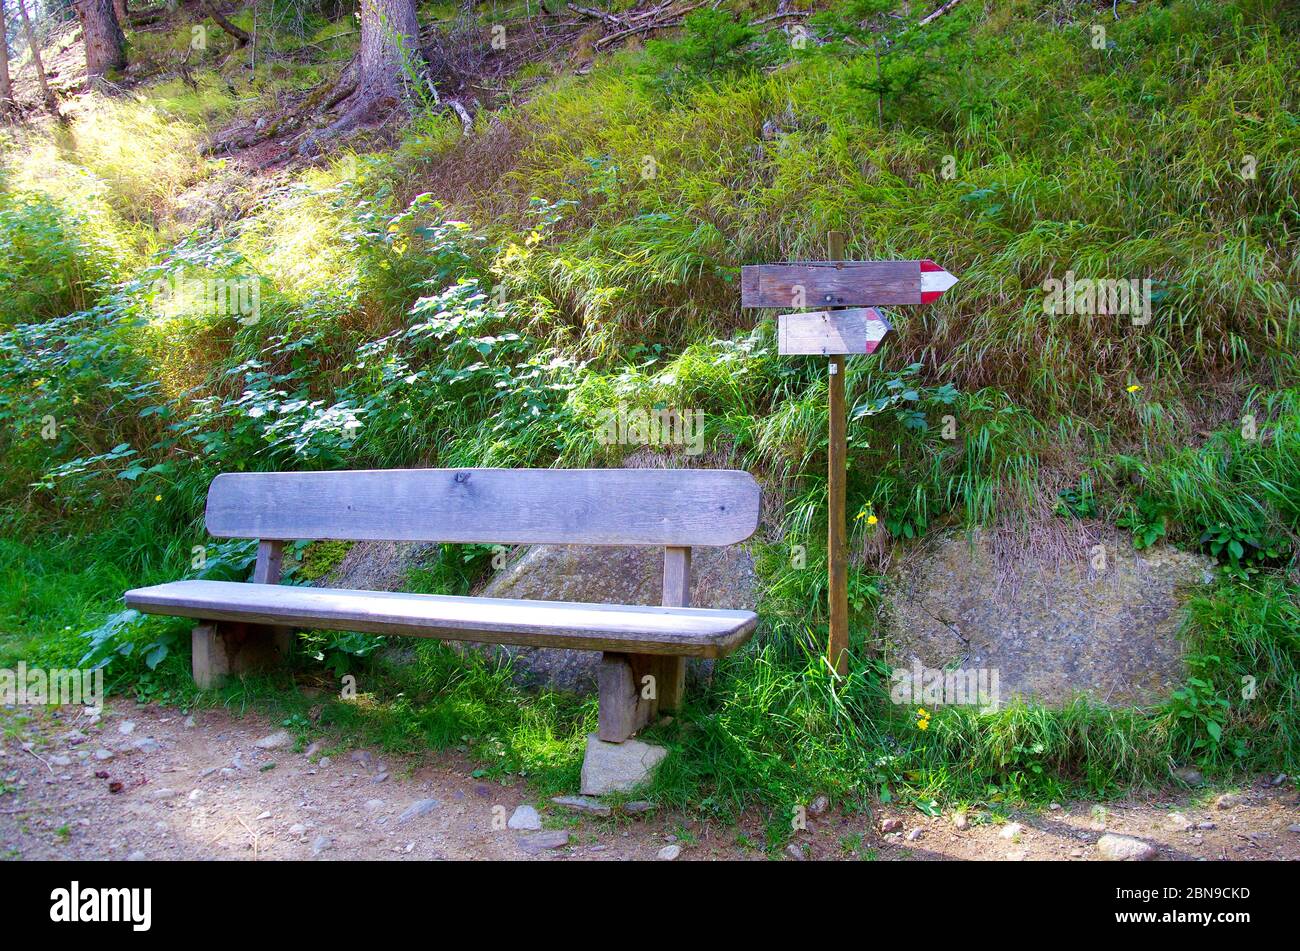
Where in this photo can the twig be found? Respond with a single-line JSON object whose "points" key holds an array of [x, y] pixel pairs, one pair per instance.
{"points": [[940, 12], [47, 765], [598, 14]]}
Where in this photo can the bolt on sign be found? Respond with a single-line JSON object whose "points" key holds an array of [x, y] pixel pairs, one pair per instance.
{"points": [[847, 293]]}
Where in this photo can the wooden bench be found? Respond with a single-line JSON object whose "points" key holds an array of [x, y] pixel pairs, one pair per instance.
{"points": [[644, 649]]}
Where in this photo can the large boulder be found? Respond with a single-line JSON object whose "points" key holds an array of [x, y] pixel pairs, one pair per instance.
{"points": [[1051, 626], [720, 578]]}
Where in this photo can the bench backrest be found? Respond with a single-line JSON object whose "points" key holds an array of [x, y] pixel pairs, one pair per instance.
{"points": [[670, 507]]}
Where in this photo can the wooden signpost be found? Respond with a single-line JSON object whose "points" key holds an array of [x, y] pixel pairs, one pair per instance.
{"points": [[847, 323]]}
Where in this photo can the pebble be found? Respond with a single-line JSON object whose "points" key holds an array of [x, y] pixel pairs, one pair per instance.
{"points": [[794, 853], [381, 778], [1011, 831], [324, 762], [189, 723], [126, 728], [1294, 827], [668, 853], [584, 804], [321, 844], [891, 825], [1180, 821], [147, 744], [637, 807], [136, 856], [959, 820], [1124, 848], [103, 755], [61, 760], [1192, 777], [1227, 801], [374, 805], [915, 834], [297, 829], [525, 818], [275, 741], [421, 807], [818, 806], [159, 795], [540, 841], [263, 816]]}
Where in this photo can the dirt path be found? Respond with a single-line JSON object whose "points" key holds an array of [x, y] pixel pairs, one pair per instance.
{"points": [[152, 783]]}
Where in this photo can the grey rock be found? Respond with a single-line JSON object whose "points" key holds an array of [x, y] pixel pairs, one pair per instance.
{"points": [[1050, 629], [189, 723], [60, 760], [136, 856], [1124, 848], [297, 829], [638, 806], [320, 844], [668, 853], [1180, 821], [915, 834], [890, 825], [960, 821], [525, 818], [161, 795], [1207, 825], [1293, 827], [374, 805], [536, 842], [1227, 801], [617, 767], [146, 744], [275, 741], [126, 728], [421, 807], [583, 804], [103, 755], [380, 778], [1189, 776], [818, 806], [794, 852]]}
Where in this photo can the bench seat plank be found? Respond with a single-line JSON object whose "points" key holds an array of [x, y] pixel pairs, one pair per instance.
{"points": [[689, 632]]}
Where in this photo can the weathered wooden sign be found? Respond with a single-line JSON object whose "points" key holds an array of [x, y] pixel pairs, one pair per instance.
{"points": [[837, 333], [842, 283], [855, 330]]}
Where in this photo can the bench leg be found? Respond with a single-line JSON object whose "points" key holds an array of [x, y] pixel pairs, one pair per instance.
{"points": [[670, 682], [222, 649], [623, 710]]}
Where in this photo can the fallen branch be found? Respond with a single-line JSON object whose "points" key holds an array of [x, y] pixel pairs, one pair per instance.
{"points": [[938, 13], [598, 15]]}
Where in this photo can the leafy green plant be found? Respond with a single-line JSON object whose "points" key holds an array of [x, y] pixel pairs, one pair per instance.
{"points": [[1147, 519]]}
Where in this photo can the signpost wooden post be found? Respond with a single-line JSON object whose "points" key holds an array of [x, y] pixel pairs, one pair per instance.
{"points": [[847, 324]]}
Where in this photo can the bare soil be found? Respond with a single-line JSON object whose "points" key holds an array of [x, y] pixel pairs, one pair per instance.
{"points": [[197, 787]]}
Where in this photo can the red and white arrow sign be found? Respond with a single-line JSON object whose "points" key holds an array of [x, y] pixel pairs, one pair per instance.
{"points": [[826, 284], [934, 281]]}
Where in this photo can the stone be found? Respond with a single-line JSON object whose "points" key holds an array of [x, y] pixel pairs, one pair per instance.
{"points": [[161, 795], [275, 741], [297, 829], [1180, 821], [189, 723], [1207, 825], [637, 807], [126, 728], [421, 807], [312, 750], [1011, 831], [617, 767], [960, 821], [1188, 776], [60, 760], [146, 744], [1227, 801], [720, 578], [1050, 626], [890, 825], [380, 778], [102, 755], [1124, 848], [320, 844], [536, 842], [818, 806], [585, 805], [1293, 827], [374, 805], [668, 853], [136, 856], [915, 834], [525, 818], [795, 853]]}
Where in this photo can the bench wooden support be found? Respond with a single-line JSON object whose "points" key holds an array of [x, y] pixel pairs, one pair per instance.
{"points": [[222, 648], [231, 647]]}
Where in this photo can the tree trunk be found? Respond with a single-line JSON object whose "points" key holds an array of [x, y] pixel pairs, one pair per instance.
{"points": [[6, 88], [50, 102], [389, 53], [105, 44], [119, 8]]}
